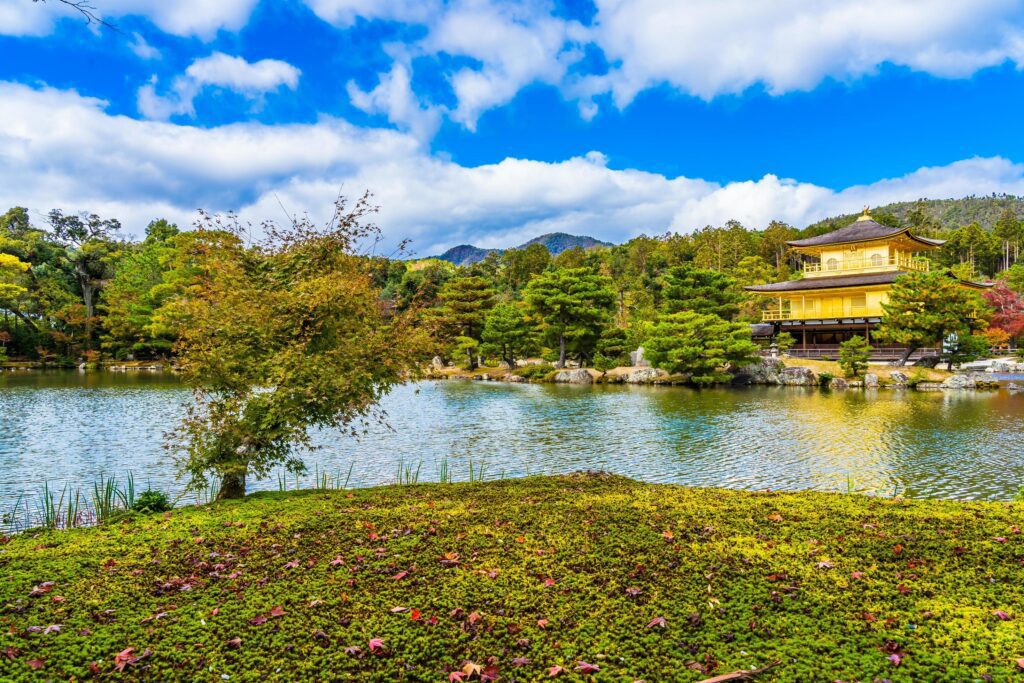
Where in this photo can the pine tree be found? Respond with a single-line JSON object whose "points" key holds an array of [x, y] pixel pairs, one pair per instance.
{"points": [[507, 333], [853, 355], [463, 310], [703, 346], [688, 288], [572, 304], [924, 308]]}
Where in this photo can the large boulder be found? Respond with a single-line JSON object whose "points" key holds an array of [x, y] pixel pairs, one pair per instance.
{"points": [[1014, 388], [898, 378], [636, 358], [763, 371], [838, 383], [515, 379], [870, 381], [798, 377], [960, 381], [576, 376], [437, 363], [644, 376]]}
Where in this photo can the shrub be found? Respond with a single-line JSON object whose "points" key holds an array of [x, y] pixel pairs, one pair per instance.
{"points": [[825, 378], [533, 371], [853, 355], [784, 341], [152, 501]]}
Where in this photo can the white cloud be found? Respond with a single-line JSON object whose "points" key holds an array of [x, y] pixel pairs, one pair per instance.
{"points": [[704, 48], [393, 96], [138, 170], [142, 49], [713, 47], [221, 71], [344, 12], [201, 18]]}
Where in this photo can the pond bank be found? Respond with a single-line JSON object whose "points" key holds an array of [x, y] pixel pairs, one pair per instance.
{"points": [[520, 578], [783, 371]]}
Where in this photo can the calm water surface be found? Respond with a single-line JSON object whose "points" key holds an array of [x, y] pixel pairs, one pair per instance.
{"points": [[71, 427]]}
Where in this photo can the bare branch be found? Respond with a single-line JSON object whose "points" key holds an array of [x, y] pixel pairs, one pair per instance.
{"points": [[87, 10]]}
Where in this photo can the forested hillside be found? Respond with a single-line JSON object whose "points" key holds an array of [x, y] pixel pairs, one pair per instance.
{"points": [[946, 214], [72, 288]]}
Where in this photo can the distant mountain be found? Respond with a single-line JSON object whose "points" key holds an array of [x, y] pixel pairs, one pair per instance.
{"points": [[555, 242], [465, 255], [948, 213]]}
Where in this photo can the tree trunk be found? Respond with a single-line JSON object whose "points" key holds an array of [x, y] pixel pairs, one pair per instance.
{"points": [[561, 350], [472, 360], [906, 356], [232, 486]]}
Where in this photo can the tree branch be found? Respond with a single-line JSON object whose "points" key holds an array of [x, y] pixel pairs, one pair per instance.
{"points": [[87, 10]]}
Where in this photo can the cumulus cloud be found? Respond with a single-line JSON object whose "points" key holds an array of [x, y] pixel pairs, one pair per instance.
{"points": [[160, 169], [221, 71], [508, 46], [713, 47], [201, 18], [704, 48], [344, 12], [393, 97]]}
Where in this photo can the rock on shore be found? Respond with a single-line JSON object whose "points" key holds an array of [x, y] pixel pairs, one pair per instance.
{"points": [[577, 376]]}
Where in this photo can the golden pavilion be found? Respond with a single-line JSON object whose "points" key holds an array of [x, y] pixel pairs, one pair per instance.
{"points": [[843, 288]]}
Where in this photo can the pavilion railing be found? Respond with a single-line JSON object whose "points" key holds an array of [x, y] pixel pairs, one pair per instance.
{"points": [[867, 265]]}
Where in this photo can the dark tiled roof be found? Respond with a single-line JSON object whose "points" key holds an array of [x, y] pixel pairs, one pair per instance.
{"points": [[828, 282], [844, 281], [858, 231], [861, 230]]}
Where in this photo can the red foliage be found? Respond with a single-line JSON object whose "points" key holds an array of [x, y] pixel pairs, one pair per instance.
{"points": [[1009, 309]]}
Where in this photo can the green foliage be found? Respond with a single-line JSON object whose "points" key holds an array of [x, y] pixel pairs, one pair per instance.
{"points": [[536, 371], [964, 349], [573, 306], [507, 333], [924, 308], [784, 341], [702, 346], [464, 302], [281, 338], [817, 581], [613, 346], [688, 288], [150, 501], [825, 379], [853, 355]]}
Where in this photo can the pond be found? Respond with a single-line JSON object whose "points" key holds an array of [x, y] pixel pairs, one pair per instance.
{"points": [[72, 427]]}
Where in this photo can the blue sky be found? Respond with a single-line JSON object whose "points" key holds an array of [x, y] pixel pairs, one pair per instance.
{"points": [[492, 122]]}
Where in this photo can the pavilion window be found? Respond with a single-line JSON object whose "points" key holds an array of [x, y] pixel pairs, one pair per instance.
{"points": [[877, 260], [832, 264]]}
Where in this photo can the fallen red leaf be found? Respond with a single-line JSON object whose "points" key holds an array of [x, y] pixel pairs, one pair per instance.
{"points": [[277, 611], [542, 623], [414, 615], [376, 645], [657, 621], [400, 575], [554, 671], [36, 663], [234, 643], [586, 668]]}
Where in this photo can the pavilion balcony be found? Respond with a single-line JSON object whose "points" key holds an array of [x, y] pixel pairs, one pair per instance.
{"points": [[875, 264], [820, 312]]}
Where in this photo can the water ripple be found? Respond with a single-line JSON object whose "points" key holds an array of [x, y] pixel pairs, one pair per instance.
{"points": [[71, 427]]}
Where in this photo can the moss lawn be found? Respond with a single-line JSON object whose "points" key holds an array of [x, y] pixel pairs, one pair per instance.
{"points": [[583, 577]]}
